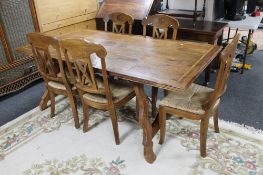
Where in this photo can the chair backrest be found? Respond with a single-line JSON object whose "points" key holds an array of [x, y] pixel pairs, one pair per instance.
{"points": [[44, 47], [119, 21], [160, 24], [226, 58], [81, 55]]}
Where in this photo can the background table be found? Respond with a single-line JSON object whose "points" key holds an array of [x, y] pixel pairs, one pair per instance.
{"points": [[249, 23]]}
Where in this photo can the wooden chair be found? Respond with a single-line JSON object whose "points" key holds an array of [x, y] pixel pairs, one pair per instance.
{"points": [[160, 24], [54, 74], [199, 102], [119, 21], [94, 90]]}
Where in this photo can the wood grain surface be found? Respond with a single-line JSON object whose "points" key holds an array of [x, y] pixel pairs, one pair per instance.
{"points": [[167, 64]]}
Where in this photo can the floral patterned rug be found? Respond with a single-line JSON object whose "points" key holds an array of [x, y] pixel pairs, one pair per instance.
{"points": [[35, 144]]}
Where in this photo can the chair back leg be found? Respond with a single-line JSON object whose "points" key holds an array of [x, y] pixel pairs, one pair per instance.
{"points": [[162, 124], [203, 136], [52, 103], [85, 117]]}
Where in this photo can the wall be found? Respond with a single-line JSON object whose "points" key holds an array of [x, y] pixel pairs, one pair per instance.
{"points": [[189, 5]]}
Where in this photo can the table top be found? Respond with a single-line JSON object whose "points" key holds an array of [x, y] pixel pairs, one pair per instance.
{"points": [[167, 64], [248, 23]]}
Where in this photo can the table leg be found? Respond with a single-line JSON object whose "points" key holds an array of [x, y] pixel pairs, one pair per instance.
{"points": [[247, 45], [145, 123], [154, 101], [208, 70], [44, 99], [207, 74], [228, 34], [204, 9]]}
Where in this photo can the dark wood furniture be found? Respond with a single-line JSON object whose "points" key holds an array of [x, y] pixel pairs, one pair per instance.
{"points": [[167, 64], [138, 9], [119, 22], [194, 14], [94, 91], [199, 102], [205, 31], [54, 75]]}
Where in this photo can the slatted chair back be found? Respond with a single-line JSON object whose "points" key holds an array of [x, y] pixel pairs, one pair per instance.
{"points": [[160, 24], [43, 47], [119, 21], [81, 55], [226, 58]]}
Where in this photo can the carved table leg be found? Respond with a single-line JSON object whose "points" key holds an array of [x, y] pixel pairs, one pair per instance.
{"points": [[145, 123], [44, 99]]}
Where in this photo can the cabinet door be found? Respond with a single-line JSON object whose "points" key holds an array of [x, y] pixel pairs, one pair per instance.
{"points": [[17, 22]]}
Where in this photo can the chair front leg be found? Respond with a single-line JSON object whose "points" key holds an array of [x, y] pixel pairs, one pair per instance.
{"points": [[216, 121], [44, 100], [52, 103], [203, 136], [162, 124], [73, 104], [114, 121]]}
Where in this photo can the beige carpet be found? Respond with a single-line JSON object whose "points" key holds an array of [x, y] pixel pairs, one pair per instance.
{"points": [[35, 144]]}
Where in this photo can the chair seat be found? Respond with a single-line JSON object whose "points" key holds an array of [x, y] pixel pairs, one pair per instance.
{"points": [[58, 85], [191, 100], [119, 89]]}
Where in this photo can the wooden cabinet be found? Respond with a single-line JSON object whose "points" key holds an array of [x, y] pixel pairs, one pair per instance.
{"points": [[52, 15], [91, 24]]}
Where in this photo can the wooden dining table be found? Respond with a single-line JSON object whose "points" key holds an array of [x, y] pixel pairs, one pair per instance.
{"points": [[166, 64]]}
